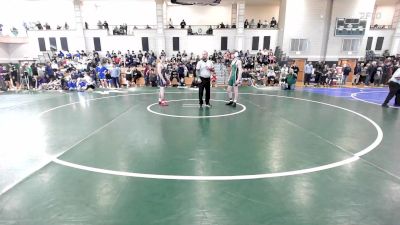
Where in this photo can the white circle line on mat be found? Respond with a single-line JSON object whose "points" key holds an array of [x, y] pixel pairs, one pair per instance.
{"points": [[354, 96], [355, 156], [195, 117]]}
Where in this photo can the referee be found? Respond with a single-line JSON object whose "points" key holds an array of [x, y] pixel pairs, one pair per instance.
{"points": [[394, 90], [204, 68]]}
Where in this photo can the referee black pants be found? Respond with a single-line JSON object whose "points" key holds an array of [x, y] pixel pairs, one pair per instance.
{"points": [[394, 90], [205, 84]]}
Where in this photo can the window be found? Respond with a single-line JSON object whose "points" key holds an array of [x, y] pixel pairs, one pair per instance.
{"points": [[53, 44], [379, 44], [97, 44], [255, 42], [64, 43], [224, 43], [299, 45], [267, 42], [369, 43], [175, 44], [145, 44], [42, 44], [351, 45]]}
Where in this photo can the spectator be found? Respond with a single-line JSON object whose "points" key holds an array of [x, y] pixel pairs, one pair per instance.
{"points": [[378, 76], [318, 72], [291, 79], [115, 30], [153, 78], [101, 74], [49, 72], [136, 75], [273, 23], [190, 31], [100, 25], [246, 24], [170, 24], [66, 26], [115, 74], [346, 72], [259, 24], [105, 25], [284, 70], [252, 24], [364, 73], [86, 26], [295, 69], [265, 25], [128, 76], [209, 31], [183, 24], [387, 71], [221, 25], [357, 73], [371, 71], [324, 75], [271, 75], [308, 69], [47, 26], [39, 26]]}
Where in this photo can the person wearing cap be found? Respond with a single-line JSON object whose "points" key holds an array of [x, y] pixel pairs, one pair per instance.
{"points": [[394, 90], [204, 68], [234, 79]]}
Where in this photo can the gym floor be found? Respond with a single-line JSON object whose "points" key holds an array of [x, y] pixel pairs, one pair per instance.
{"points": [[310, 156]]}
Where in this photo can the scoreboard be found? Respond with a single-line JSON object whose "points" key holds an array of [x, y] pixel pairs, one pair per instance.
{"points": [[350, 27]]}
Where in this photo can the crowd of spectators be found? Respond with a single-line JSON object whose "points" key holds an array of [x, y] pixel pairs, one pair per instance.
{"points": [[260, 24], [374, 73], [39, 26], [65, 69], [83, 70]]}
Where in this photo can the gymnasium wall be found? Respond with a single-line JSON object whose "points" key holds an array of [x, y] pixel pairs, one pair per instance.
{"points": [[348, 9], [305, 19], [387, 39], [4, 57], [120, 42], [118, 12], [384, 15], [199, 15], [262, 12], [33, 11]]}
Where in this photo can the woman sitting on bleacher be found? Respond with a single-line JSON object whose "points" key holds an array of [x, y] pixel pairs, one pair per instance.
{"points": [[271, 76]]}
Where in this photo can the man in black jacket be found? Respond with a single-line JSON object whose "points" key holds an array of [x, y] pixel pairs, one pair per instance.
{"points": [[357, 73], [183, 24], [346, 73], [371, 71]]}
